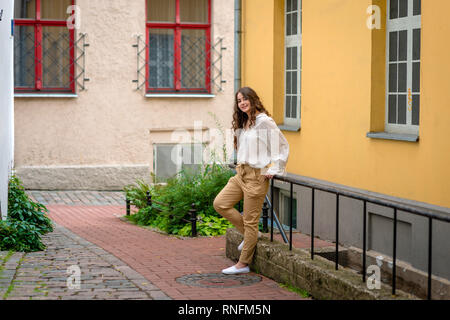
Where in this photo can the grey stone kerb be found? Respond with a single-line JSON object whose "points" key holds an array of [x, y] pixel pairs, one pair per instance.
{"points": [[318, 276], [81, 177]]}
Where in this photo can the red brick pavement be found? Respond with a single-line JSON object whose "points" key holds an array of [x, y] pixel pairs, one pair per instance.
{"points": [[161, 258]]}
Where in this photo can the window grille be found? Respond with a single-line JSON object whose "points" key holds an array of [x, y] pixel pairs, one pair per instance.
{"points": [[158, 70], [178, 53], [48, 58]]}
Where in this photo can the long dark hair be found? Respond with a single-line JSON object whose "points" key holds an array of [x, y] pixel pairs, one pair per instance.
{"points": [[240, 118]]}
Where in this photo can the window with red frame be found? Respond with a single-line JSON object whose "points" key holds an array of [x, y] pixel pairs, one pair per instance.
{"points": [[178, 46], [43, 47]]}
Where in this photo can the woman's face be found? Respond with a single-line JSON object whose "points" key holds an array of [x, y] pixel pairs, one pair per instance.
{"points": [[243, 103]]}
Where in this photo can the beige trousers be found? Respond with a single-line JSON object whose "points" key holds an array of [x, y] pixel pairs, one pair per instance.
{"points": [[250, 185]]}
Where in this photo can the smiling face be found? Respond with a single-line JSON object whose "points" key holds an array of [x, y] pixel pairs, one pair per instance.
{"points": [[243, 103]]}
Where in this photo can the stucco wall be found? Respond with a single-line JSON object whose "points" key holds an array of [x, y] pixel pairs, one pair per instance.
{"points": [[6, 101], [338, 102], [110, 124], [343, 66]]}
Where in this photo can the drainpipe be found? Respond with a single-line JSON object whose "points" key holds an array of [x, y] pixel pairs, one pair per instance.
{"points": [[237, 44]]}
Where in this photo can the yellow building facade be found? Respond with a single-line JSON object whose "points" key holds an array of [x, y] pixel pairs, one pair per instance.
{"points": [[343, 87], [360, 90]]}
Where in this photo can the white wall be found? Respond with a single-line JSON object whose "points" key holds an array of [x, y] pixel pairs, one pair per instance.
{"points": [[6, 101]]}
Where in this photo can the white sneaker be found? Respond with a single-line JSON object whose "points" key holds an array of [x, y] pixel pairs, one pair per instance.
{"points": [[234, 270]]}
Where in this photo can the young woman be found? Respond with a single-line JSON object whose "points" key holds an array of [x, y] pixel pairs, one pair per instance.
{"points": [[262, 152]]}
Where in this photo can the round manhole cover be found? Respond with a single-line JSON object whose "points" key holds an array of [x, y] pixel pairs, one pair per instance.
{"points": [[218, 280]]}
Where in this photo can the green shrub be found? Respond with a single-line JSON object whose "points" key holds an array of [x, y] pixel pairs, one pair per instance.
{"points": [[26, 222], [186, 188], [20, 236]]}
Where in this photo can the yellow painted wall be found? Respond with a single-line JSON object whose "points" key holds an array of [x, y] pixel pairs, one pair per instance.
{"points": [[343, 98]]}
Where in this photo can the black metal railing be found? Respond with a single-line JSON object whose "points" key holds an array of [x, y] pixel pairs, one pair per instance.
{"points": [[159, 206], [365, 199], [265, 218]]}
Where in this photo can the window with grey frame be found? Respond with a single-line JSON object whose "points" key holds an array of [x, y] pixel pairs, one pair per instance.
{"points": [[293, 53], [403, 66]]}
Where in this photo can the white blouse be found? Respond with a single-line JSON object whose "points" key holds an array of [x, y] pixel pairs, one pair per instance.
{"points": [[263, 144]]}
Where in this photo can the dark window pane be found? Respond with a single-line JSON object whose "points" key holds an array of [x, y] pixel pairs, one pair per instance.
{"points": [[393, 78], [416, 44], [392, 116], [294, 5], [161, 10], [288, 107], [393, 9], [402, 109], [285, 216], [393, 48], [416, 77], [294, 82], [417, 10], [294, 58], [289, 5], [403, 45], [294, 107], [402, 77], [56, 60], [161, 58], [288, 82], [294, 23], [288, 59], [194, 11], [24, 9], [24, 66], [403, 12], [193, 58], [288, 24], [415, 110]]}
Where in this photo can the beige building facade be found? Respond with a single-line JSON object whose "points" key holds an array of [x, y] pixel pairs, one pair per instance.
{"points": [[126, 112]]}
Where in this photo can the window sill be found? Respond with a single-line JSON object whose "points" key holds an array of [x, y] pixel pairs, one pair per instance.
{"points": [[393, 136], [284, 127], [157, 95], [45, 95]]}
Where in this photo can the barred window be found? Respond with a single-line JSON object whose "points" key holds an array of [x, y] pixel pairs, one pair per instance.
{"points": [[403, 66], [178, 46], [43, 47]]}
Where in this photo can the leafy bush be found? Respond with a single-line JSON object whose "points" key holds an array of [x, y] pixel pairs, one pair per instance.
{"points": [[26, 222], [20, 236], [187, 188]]}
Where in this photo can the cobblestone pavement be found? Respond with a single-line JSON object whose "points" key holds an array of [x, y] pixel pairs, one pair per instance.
{"points": [[51, 274], [163, 262]]}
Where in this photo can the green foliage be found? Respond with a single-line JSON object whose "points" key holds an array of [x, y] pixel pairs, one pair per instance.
{"points": [[20, 236], [26, 222], [137, 194], [301, 292], [187, 188]]}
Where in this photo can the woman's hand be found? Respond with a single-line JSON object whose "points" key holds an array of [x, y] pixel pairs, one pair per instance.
{"points": [[268, 176]]}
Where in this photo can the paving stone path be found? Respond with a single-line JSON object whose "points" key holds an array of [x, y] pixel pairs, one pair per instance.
{"points": [[118, 260], [51, 274]]}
